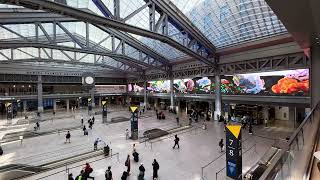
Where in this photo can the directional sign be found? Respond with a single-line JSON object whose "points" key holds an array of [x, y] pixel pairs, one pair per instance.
{"points": [[103, 103], [233, 151], [133, 108]]}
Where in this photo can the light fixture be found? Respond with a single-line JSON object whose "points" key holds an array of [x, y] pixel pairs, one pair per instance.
{"points": [[22, 86], [14, 86], [29, 86]]}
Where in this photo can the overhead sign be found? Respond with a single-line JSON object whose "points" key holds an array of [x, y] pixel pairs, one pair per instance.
{"points": [[133, 108], [233, 151]]}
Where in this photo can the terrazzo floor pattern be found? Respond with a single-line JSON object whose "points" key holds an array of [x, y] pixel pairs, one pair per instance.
{"points": [[197, 149]]}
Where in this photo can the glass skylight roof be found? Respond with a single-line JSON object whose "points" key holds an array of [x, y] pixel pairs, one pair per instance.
{"points": [[228, 22], [223, 22]]}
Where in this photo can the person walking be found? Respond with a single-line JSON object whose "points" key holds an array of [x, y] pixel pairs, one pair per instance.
{"points": [[108, 174], [176, 142], [141, 172], [156, 167], [87, 171], [134, 148], [93, 119], [178, 121], [38, 125], [250, 129], [90, 124], [127, 134], [1, 151], [127, 163], [221, 145], [68, 136], [82, 120]]}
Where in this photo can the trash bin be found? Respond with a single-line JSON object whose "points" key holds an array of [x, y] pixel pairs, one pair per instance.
{"points": [[106, 150]]}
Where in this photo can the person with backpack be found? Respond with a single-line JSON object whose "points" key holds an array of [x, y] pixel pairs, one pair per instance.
{"points": [[221, 145], [176, 142], [127, 163], [108, 174], [87, 171], [68, 136], [156, 167], [141, 172]]}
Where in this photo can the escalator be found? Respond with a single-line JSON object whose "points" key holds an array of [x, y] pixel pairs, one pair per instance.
{"points": [[18, 171]]}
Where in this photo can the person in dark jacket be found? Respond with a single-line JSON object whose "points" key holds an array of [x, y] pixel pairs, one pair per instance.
{"points": [[141, 172], [221, 145], [156, 167], [108, 174], [1, 151], [176, 142], [70, 177], [127, 163], [68, 136], [124, 175]]}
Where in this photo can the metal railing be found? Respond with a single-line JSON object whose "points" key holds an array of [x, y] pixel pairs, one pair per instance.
{"points": [[294, 159]]}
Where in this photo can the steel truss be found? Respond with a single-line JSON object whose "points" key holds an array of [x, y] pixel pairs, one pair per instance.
{"points": [[13, 16], [274, 63], [117, 51], [198, 53]]}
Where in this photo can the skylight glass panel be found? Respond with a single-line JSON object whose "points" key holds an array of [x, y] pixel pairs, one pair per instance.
{"points": [[225, 22]]}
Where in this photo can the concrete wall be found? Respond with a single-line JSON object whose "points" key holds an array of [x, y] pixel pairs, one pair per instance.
{"points": [[282, 113]]}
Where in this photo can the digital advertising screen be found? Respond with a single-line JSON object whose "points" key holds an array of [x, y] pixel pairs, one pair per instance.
{"points": [[159, 86], [135, 87]]}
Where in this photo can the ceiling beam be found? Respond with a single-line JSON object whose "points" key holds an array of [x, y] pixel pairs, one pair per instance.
{"points": [[96, 19]]}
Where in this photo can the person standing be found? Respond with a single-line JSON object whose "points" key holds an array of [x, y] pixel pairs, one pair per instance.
{"points": [[108, 174], [95, 144], [134, 148], [176, 142], [178, 121], [127, 134], [93, 119], [90, 124], [250, 128], [141, 172], [127, 163], [156, 167], [68, 136], [81, 119], [84, 130], [80, 176], [221, 145], [70, 177]]}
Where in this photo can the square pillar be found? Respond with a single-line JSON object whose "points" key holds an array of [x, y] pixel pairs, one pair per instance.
{"points": [[39, 89], [217, 110], [145, 97], [25, 106], [68, 105], [55, 105]]}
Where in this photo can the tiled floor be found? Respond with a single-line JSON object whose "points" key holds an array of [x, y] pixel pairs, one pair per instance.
{"points": [[198, 148]]}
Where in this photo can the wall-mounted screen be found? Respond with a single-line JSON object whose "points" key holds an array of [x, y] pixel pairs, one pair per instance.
{"points": [[135, 87], [158, 86]]}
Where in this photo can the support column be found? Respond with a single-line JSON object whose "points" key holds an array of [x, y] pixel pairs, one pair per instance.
{"points": [[292, 117], [100, 101], [54, 105], [68, 105], [25, 106], [93, 104], [145, 98], [39, 89], [171, 94], [217, 110], [315, 74], [178, 108]]}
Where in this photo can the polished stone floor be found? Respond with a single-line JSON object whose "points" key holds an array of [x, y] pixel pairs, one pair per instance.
{"points": [[198, 147]]}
